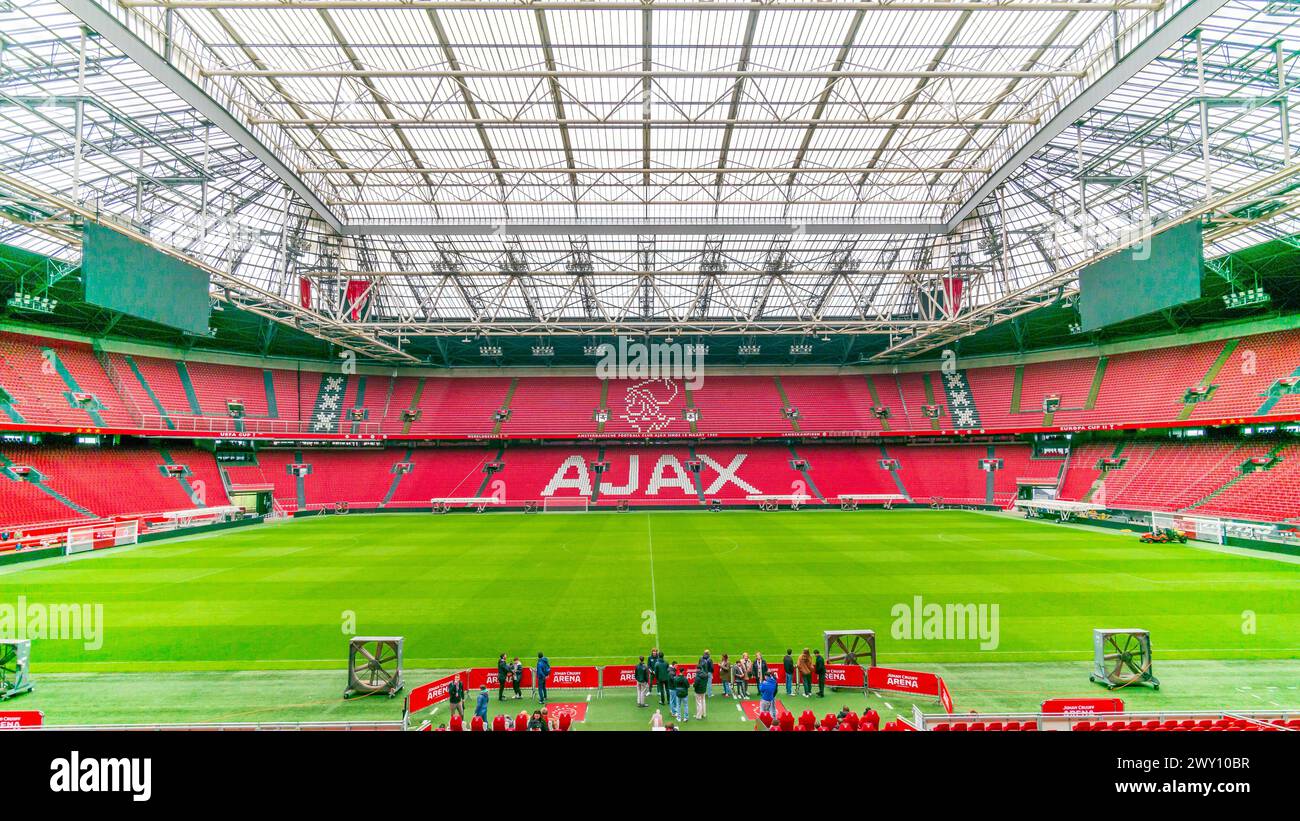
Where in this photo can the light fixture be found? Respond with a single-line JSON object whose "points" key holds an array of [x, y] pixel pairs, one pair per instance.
{"points": [[489, 350], [30, 302], [800, 350], [543, 350], [1246, 298], [749, 350]]}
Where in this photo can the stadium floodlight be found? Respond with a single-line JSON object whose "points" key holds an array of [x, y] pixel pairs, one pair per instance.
{"points": [[489, 350], [30, 302], [800, 350], [749, 350], [1246, 298], [543, 350]]}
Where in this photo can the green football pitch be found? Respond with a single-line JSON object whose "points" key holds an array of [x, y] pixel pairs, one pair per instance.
{"points": [[252, 624]]}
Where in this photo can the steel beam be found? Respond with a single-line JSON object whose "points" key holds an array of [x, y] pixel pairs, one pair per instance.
{"points": [[123, 39]]}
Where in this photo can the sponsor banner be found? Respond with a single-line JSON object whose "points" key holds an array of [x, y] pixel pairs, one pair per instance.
{"points": [[619, 675], [588, 677], [1082, 706], [487, 677], [14, 719], [903, 681], [577, 712], [427, 695], [845, 675], [945, 697]]}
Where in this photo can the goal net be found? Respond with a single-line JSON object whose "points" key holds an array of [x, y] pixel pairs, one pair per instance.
{"points": [[552, 504], [88, 537], [1201, 528]]}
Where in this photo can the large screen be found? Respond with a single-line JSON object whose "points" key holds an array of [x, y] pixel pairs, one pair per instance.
{"points": [[1164, 272], [129, 276]]}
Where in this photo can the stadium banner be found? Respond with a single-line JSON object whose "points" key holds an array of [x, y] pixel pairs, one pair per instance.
{"points": [[845, 675], [427, 695], [618, 675], [583, 677], [904, 681], [487, 677], [14, 719], [945, 698], [1076, 707]]}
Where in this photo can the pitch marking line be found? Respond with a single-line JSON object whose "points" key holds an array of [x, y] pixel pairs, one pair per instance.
{"points": [[654, 599]]}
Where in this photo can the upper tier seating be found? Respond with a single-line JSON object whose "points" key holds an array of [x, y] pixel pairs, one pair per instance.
{"points": [[1135, 389]]}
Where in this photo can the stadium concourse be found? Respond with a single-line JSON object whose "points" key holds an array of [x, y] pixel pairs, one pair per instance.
{"points": [[575, 364]]}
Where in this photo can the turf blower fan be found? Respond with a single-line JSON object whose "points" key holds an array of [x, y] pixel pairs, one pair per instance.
{"points": [[1121, 658], [14, 677], [374, 666]]}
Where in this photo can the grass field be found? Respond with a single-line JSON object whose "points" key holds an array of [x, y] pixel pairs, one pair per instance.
{"points": [[197, 614]]}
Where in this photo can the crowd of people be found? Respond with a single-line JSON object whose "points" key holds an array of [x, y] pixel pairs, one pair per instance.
{"points": [[675, 687], [674, 684]]}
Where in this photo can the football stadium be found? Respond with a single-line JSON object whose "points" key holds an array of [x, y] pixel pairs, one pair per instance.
{"points": [[904, 366]]}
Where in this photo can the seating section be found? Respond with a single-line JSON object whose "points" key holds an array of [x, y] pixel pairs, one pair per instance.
{"points": [[843, 469], [1028, 725], [1199, 725], [1132, 389], [1197, 477], [127, 481], [1266, 495]]}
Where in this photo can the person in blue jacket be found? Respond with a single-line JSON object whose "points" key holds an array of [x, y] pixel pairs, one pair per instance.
{"points": [[543, 670], [480, 708], [767, 694]]}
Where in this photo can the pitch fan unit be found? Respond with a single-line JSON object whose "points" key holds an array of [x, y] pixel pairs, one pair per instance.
{"points": [[1122, 657], [15, 679], [850, 647], [374, 666]]}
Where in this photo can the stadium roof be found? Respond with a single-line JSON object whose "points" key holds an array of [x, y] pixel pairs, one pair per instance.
{"points": [[668, 166]]}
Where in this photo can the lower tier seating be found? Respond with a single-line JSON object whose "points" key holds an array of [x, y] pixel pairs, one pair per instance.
{"points": [[1251, 479]]}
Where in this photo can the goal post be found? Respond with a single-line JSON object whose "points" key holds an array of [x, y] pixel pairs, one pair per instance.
{"points": [[1200, 528], [79, 540], [85, 538], [552, 504]]}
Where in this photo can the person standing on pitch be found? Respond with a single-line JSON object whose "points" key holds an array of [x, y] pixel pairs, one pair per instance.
{"points": [[543, 670], [674, 707], [664, 678], [480, 708], [517, 677], [767, 695], [819, 667], [725, 674], [740, 677], [642, 676], [787, 664], [705, 668], [503, 676], [456, 697], [683, 690], [702, 680], [760, 668], [806, 672]]}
